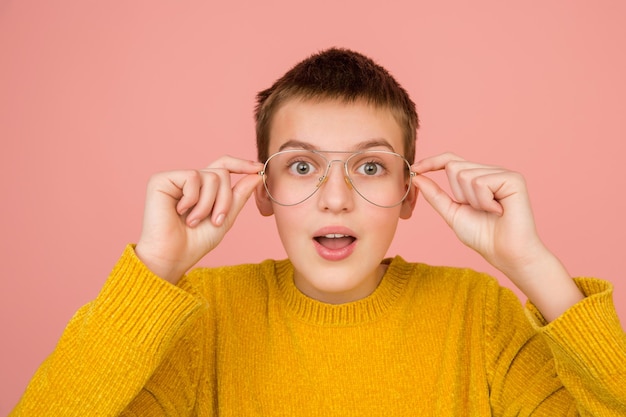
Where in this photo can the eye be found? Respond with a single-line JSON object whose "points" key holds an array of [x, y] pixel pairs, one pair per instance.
{"points": [[301, 168], [370, 169]]}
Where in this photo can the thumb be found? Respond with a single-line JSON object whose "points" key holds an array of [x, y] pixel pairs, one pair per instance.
{"points": [[241, 193], [436, 197]]}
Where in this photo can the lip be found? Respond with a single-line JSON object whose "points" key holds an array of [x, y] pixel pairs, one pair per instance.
{"points": [[334, 254]]}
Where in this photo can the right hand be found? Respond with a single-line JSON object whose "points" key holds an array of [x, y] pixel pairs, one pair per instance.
{"points": [[187, 213]]}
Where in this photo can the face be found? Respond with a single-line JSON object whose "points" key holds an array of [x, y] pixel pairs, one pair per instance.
{"points": [[335, 239]]}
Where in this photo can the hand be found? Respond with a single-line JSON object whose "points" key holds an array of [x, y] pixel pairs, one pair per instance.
{"points": [[187, 213], [490, 210], [491, 213]]}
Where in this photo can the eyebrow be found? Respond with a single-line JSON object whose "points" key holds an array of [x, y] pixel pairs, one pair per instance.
{"points": [[361, 146]]}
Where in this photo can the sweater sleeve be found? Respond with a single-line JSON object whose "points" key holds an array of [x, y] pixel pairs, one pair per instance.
{"points": [[574, 366], [112, 347], [589, 350]]}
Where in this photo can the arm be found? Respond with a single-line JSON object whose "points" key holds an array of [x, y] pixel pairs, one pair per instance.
{"points": [[127, 345], [112, 345], [562, 368], [490, 212]]}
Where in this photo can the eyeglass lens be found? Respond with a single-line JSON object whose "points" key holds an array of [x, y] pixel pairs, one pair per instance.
{"points": [[380, 177]]}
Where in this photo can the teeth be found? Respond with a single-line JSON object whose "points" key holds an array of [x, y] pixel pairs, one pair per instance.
{"points": [[334, 236]]}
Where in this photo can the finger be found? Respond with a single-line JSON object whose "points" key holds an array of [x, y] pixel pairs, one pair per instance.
{"points": [[457, 169], [460, 175], [223, 199], [435, 163], [236, 165], [217, 198], [189, 184], [212, 183], [215, 195], [436, 197], [180, 188], [478, 187], [240, 194], [509, 191], [449, 162]]}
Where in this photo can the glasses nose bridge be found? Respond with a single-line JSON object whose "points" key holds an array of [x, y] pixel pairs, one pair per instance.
{"points": [[329, 163], [332, 161]]}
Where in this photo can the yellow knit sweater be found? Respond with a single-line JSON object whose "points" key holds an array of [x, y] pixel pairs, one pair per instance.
{"points": [[243, 341]]}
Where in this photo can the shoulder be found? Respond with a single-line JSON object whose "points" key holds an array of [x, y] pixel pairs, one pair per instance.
{"points": [[450, 287], [443, 278], [249, 281]]}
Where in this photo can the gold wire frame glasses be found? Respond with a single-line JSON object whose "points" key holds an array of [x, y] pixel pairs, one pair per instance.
{"points": [[382, 178]]}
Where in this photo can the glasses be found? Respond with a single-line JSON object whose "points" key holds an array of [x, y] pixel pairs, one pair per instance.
{"points": [[292, 176]]}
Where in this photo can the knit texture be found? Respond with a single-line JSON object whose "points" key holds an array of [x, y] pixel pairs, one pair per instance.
{"points": [[243, 341]]}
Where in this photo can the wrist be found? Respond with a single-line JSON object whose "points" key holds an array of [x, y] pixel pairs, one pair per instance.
{"points": [[163, 268], [547, 284]]}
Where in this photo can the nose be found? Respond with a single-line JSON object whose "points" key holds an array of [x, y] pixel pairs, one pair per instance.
{"points": [[335, 193]]}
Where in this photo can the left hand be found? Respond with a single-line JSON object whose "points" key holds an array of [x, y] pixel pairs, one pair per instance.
{"points": [[490, 210]]}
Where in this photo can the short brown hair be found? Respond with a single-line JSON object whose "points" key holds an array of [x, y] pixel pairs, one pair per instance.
{"points": [[337, 74]]}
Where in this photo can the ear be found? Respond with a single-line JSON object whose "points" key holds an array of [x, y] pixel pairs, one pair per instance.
{"points": [[263, 202], [409, 203]]}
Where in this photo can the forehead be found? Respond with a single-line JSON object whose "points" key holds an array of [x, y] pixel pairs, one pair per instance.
{"points": [[334, 125]]}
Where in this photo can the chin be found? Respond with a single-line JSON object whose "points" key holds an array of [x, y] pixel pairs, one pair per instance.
{"points": [[336, 286]]}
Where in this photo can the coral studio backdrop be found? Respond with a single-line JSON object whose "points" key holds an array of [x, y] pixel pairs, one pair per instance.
{"points": [[97, 96]]}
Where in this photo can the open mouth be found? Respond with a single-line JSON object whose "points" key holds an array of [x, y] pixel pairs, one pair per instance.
{"points": [[335, 241]]}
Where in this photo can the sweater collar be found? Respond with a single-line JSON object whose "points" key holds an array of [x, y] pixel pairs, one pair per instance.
{"points": [[365, 310]]}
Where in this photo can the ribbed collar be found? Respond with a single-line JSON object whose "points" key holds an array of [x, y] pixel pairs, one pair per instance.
{"points": [[365, 310]]}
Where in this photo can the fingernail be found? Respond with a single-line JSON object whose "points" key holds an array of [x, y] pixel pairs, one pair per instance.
{"points": [[194, 223], [219, 219]]}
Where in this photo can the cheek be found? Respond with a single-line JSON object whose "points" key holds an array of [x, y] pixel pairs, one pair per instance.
{"points": [[383, 222], [289, 222]]}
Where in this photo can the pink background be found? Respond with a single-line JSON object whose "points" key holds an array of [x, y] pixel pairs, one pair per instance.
{"points": [[96, 96]]}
